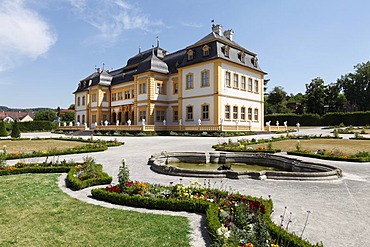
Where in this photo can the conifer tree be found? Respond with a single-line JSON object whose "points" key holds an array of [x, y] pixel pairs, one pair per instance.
{"points": [[3, 131], [16, 133]]}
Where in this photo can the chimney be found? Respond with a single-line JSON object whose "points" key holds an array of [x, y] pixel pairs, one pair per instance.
{"points": [[229, 34], [217, 29]]}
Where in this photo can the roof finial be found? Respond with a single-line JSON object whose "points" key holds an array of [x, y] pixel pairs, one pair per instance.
{"points": [[139, 49], [213, 22], [157, 38], [103, 65], [153, 50]]}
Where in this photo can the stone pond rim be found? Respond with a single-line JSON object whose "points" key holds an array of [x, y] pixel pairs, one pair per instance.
{"points": [[293, 169]]}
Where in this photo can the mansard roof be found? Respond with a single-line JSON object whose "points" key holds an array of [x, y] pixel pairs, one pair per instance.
{"points": [[159, 60]]}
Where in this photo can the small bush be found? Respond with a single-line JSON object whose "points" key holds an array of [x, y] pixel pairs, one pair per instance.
{"points": [[75, 183]]}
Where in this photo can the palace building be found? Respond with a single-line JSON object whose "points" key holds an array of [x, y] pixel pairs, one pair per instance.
{"points": [[214, 81]]}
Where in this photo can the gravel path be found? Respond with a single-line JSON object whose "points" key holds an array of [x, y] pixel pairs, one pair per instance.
{"points": [[340, 214]]}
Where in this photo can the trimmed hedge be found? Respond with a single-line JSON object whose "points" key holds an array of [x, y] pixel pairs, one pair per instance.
{"points": [[210, 209], [76, 184], [34, 126], [329, 119], [35, 169]]}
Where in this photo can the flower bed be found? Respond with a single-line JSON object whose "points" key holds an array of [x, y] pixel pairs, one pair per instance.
{"points": [[91, 146], [22, 167], [232, 219], [333, 155], [87, 174]]}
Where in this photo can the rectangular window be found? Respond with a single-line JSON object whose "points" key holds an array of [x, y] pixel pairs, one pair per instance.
{"points": [[242, 113], [175, 115], [242, 83], [142, 88], [236, 81], [256, 87], [227, 112], [93, 118], [250, 84], [227, 79], [189, 113], [250, 114], [78, 101], [114, 96], [105, 97], [235, 112], [120, 96], [159, 116], [93, 97], [189, 81], [256, 114], [83, 100], [205, 79], [142, 115], [132, 93], [205, 112], [160, 89], [127, 94], [175, 88]]}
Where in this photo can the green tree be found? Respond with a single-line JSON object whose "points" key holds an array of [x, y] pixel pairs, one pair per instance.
{"points": [[298, 100], [276, 101], [315, 94], [71, 107], [3, 131], [67, 117], [16, 133], [334, 99], [356, 87], [46, 115]]}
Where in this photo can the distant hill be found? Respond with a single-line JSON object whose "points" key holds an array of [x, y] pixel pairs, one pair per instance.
{"points": [[5, 108]]}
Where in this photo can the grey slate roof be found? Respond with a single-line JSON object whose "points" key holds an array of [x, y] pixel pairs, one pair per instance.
{"points": [[152, 63]]}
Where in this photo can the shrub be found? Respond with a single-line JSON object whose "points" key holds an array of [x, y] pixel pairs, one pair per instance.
{"points": [[124, 173], [3, 131], [15, 130], [74, 182]]}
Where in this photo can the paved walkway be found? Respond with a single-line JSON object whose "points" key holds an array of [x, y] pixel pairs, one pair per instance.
{"points": [[339, 209]]}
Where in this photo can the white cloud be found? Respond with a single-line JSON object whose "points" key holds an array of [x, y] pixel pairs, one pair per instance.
{"points": [[23, 34], [191, 24], [112, 17]]}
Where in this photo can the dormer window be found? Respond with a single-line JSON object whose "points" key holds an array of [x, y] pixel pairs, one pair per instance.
{"points": [[226, 50], [254, 61], [242, 56], [205, 50], [190, 55]]}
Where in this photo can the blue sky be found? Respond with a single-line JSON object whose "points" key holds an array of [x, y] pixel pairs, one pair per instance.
{"points": [[47, 46]]}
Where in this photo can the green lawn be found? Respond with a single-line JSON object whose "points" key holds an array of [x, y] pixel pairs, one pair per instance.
{"points": [[35, 212], [28, 146]]}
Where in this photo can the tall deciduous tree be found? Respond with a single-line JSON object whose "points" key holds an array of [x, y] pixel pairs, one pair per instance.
{"points": [[334, 99], [276, 101], [315, 95], [356, 87]]}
